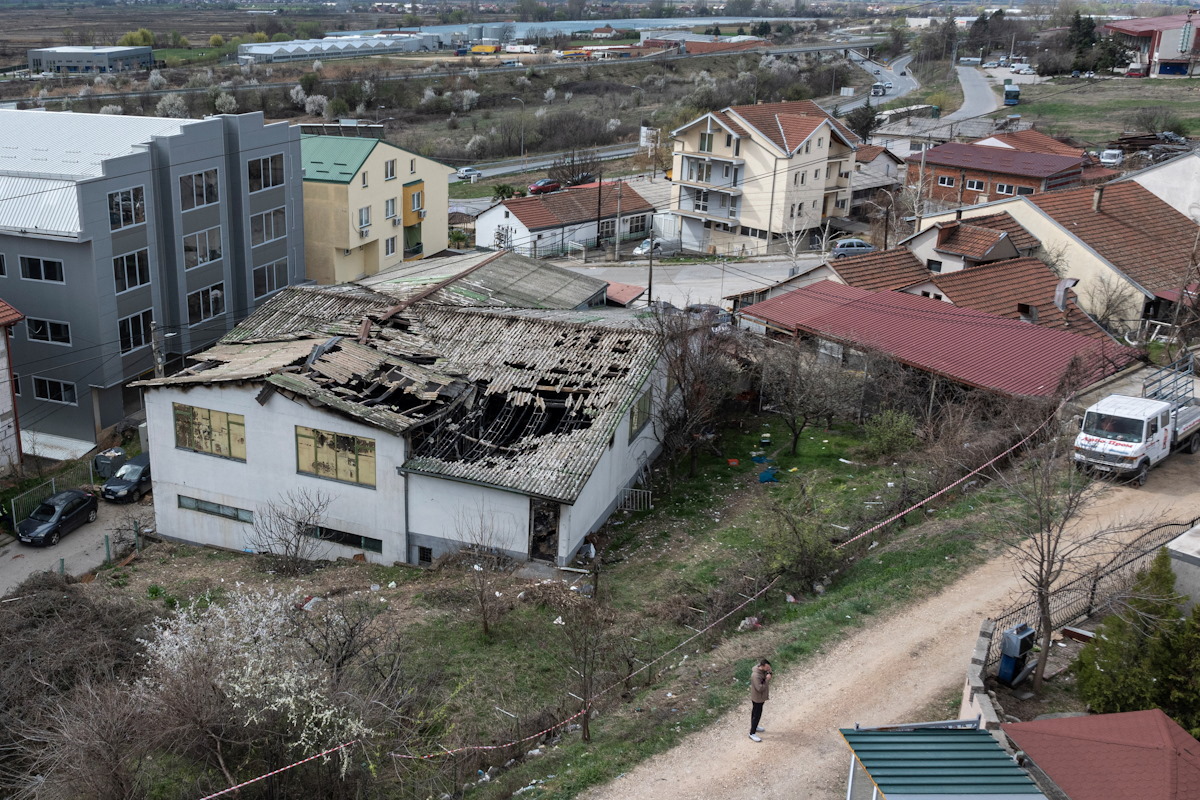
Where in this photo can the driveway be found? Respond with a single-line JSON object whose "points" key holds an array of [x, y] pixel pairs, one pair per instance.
{"points": [[886, 672], [81, 550], [978, 96]]}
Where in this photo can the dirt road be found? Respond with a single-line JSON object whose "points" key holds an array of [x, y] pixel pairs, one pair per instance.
{"points": [[881, 674]]}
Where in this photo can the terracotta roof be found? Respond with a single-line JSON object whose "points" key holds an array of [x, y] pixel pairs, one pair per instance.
{"points": [[966, 346], [870, 152], [1142, 754], [997, 160], [575, 205], [970, 241], [883, 269], [624, 293], [1003, 221], [9, 315], [795, 129], [1137, 233], [998, 287], [764, 117], [731, 123], [1146, 25], [1033, 141]]}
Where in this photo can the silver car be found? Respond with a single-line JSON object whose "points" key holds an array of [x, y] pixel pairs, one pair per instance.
{"points": [[851, 247]]}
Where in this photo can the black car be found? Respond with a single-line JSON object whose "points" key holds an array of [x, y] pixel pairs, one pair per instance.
{"points": [[131, 482], [58, 515]]}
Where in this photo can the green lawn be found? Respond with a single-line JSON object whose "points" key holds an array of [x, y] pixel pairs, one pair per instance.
{"points": [[1098, 111]]}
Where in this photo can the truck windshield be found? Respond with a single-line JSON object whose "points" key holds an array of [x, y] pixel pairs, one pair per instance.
{"points": [[1107, 426]]}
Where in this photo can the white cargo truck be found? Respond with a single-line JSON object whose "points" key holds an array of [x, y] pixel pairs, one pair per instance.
{"points": [[1126, 436]]}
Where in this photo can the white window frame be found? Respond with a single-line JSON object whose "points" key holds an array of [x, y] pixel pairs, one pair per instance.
{"points": [[1005, 188], [26, 261], [122, 264], [412, 166], [46, 324], [418, 199], [200, 187], [270, 173], [389, 170], [275, 220], [271, 277], [145, 323], [62, 385], [389, 208], [205, 298], [207, 235], [389, 246], [946, 180], [974, 185], [364, 217], [364, 179], [136, 208]]}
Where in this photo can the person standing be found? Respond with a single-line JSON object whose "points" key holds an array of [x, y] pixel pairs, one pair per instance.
{"points": [[760, 692]]}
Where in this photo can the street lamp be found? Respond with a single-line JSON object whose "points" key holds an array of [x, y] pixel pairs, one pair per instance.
{"points": [[522, 102]]}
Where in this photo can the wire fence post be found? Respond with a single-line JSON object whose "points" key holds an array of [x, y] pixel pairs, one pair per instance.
{"points": [[107, 550], [62, 566]]}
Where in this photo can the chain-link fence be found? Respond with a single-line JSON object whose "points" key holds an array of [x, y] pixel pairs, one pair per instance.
{"points": [[1080, 598]]}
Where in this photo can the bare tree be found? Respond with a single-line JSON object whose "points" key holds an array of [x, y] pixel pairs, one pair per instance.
{"points": [[484, 562], [800, 388], [587, 627], [1044, 534], [1110, 301], [289, 529], [574, 166]]}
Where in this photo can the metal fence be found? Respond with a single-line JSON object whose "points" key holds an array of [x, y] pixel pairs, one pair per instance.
{"points": [[78, 475], [1080, 598]]}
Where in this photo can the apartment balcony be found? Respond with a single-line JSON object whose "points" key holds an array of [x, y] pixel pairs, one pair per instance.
{"points": [[415, 250], [708, 205], [715, 185]]}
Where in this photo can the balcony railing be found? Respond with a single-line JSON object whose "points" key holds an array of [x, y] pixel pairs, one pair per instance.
{"points": [[415, 250]]}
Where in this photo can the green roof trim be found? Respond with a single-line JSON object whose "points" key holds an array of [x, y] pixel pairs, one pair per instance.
{"points": [[334, 159], [943, 762]]}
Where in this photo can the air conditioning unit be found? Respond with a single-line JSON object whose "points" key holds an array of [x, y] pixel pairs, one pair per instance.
{"points": [[421, 213], [397, 222], [364, 233]]}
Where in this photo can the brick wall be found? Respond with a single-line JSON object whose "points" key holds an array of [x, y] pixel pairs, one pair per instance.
{"points": [[962, 186]]}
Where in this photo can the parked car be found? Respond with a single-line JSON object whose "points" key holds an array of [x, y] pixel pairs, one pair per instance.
{"points": [[467, 173], [991, 65], [660, 247], [58, 515], [544, 186], [1111, 158], [1135, 73], [718, 315], [851, 247], [131, 483], [1076, 73], [581, 178]]}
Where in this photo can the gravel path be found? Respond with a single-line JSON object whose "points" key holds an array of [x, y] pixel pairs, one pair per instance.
{"points": [[881, 674]]}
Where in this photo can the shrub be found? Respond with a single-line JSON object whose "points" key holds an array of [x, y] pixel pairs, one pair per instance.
{"points": [[889, 433]]}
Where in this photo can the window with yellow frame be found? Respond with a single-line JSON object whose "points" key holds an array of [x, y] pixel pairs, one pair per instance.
{"points": [[336, 456], [207, 431]]}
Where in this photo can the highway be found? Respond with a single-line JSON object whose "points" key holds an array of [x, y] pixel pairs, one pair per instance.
{"points": [[901, 84]]}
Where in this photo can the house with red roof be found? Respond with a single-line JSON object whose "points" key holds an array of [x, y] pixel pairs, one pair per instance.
{"points": [[548, 224], [1129, 252], [746, 177], [1136, 754], [1161, 45], [971, 348], [955, 174]]}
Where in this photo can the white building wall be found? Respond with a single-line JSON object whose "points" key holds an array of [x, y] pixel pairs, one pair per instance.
{"points": [[446, 513], [1176, 183], [268, 472]]}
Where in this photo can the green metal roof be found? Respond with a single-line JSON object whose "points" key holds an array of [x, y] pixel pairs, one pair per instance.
{"points": [[334, 159], [939, 762]]}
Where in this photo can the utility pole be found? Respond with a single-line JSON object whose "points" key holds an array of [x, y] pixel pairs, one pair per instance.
{"points": [[617, 225], [160, 370]]}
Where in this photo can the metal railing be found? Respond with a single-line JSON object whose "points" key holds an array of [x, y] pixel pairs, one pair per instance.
{"points": [[1080, 598], [79, 475]]}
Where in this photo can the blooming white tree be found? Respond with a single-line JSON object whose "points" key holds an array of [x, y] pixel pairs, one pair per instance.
{"points": [[156, 80], [316, 104], [549, 95], [298, 96], [172, 105], [317, 66], [226, 104], [468, 99], [428, 96], [112, 109]]}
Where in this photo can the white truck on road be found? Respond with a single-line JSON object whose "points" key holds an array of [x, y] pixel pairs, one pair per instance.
{"points": [[1126, 436]]}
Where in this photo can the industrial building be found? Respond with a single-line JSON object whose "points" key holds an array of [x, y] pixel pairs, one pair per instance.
{"points": [[85, 60], [336, 47]]}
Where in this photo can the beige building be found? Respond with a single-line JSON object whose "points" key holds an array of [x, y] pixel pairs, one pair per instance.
{"points": [[368, 206], [749, 176]]}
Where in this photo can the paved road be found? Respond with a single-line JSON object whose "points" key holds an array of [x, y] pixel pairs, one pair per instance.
{"points": [[901, 85], [978, 96]]}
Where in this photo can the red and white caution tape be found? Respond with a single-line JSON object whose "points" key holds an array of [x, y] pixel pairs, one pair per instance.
{"points": [[277, 771]]}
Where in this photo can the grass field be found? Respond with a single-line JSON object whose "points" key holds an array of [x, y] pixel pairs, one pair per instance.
{"points": [[1096, 111]]}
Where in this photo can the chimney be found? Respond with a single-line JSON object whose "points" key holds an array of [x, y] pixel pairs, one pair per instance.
{"points": [[1060, 292], [1097, 196], [958, 214]]}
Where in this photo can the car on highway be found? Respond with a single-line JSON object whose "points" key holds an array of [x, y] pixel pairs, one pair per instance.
{"points": [[544, 186], [844, 248], [130, 483], [466, 173], [56, 516], [887, 85], [903, 73], [876, 72]]}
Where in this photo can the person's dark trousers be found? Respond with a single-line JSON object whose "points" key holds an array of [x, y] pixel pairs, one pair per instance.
{"points": [[755, 716]]}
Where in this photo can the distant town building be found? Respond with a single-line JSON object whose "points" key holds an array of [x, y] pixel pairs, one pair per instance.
{"points": [[1161, 45], [84, 60]]}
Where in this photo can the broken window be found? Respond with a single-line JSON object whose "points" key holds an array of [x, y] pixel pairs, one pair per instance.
{"points": [[639, 415], [543, 530], [335, 456], [214, 432]]}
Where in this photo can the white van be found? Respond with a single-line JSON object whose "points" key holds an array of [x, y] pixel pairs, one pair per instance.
{"points": [[1111, 158]]}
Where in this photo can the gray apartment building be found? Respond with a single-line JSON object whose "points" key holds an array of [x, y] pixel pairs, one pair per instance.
{"points": [[116, 229], [83, 59]]}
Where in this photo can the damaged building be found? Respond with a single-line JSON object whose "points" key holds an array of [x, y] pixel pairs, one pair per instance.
{"points": [[428, 427]]}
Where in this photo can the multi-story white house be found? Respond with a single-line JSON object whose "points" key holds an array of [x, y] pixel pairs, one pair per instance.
{"points": [[747, 176], [115, 230]]}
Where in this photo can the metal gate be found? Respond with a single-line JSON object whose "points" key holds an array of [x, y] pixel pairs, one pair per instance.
{"points": [[78, 475]]}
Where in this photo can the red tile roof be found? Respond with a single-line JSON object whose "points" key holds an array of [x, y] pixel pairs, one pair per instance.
{"points": [[1033, 141], [1003, 221], [624, 293], [883, 269], [998, 287], [764, 117], [970, 241], [966, 346], [868, 153], [575, 205], [1140, 235], [1137, 754], [997, 159], [9, 315]]}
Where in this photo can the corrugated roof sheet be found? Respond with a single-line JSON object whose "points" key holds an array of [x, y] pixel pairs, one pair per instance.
{"points": [[1139, 754], [950, 763], [334, 159], [577, 204], [1147, 25], [967, 346], [1032, 141], [507, 280], [295, 311], [48, 206], [1136, 232], [68, 146], [996, 159]]}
